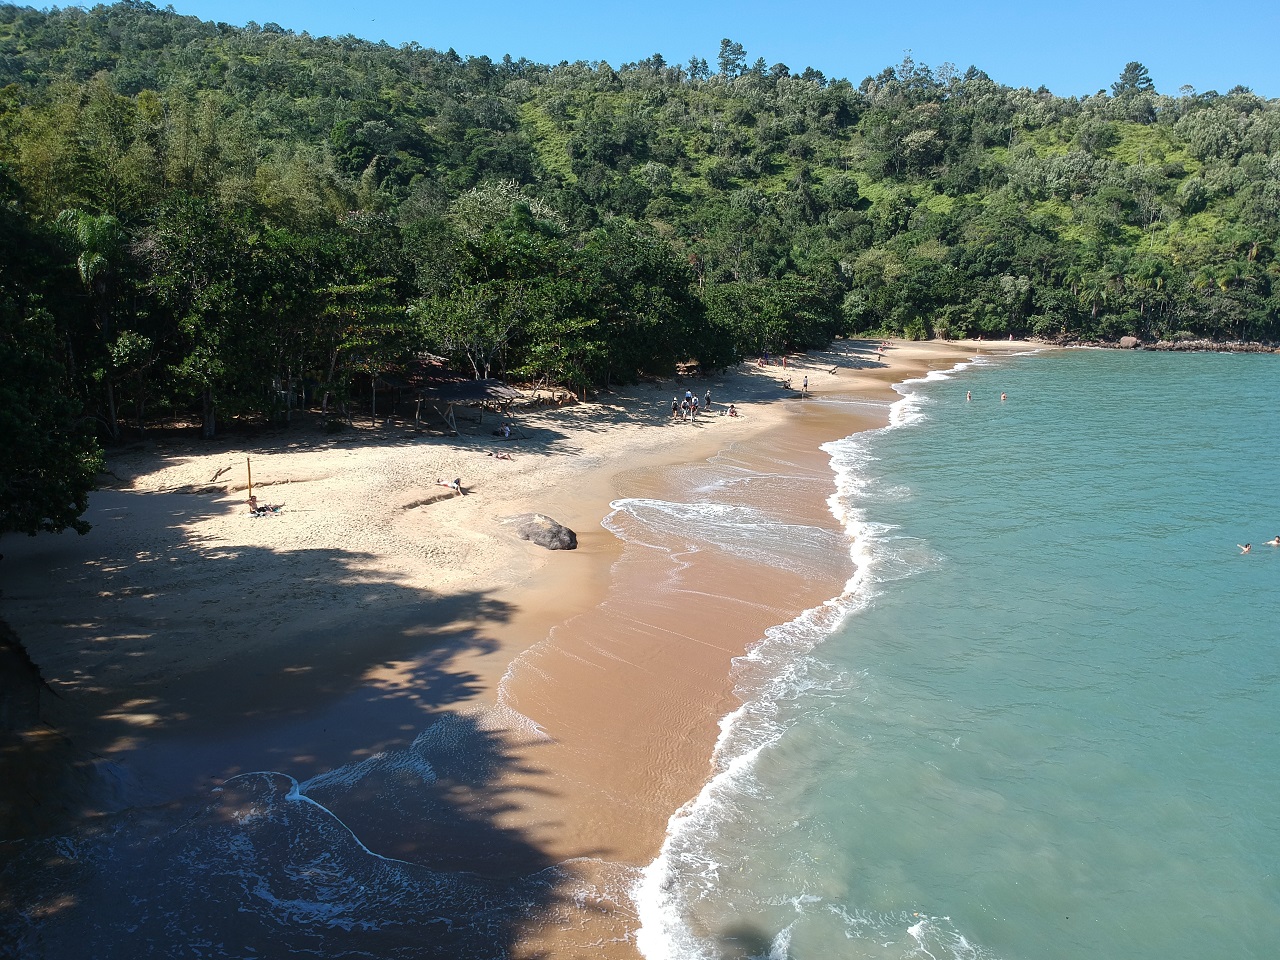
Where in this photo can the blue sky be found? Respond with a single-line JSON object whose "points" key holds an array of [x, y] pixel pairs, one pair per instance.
{"points": [[1073, 48]]}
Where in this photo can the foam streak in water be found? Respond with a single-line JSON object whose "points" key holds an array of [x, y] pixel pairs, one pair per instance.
{"points": [[777, 669]]}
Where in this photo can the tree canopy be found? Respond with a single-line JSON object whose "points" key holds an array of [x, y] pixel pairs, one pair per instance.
{"points": [[226, 211]]}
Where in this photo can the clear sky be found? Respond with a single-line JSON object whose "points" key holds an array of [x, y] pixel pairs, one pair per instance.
{"points": [[1073, 48]]}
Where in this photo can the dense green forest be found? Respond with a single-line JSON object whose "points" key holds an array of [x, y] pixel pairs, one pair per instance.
{"points": [[196, 217]]}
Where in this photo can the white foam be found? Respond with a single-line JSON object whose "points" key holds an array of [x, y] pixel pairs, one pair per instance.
{"points": [[776, 669], [773, 671], [681, 529], [780, 948]]}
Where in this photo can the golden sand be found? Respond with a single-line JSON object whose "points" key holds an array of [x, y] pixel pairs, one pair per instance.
{"points": [[597, 676]]}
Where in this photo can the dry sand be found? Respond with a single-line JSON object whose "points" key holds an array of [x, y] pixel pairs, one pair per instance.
{"points": [[190, 642]]}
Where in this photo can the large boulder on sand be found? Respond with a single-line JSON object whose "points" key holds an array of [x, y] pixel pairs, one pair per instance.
{"points": [[544, 531]]}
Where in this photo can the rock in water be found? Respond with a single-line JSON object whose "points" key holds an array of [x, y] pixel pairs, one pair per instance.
{"points": [[544, 531]]}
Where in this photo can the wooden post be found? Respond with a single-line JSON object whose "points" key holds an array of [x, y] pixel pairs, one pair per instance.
{"points": [[249, 468]]}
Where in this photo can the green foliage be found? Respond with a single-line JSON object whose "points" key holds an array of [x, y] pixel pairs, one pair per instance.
{"points": [[1133, 79], [46, 476], [253, 208], [50, 452]]}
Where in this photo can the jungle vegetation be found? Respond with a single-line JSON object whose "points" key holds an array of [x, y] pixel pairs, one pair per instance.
{"points": [[195, 216]]}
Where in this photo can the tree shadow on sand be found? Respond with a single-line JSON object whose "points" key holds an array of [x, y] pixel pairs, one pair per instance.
{"points": [[336, 792]]}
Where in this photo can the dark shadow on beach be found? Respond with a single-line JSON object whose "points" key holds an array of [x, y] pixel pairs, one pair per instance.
{"points": [[334, 793]]}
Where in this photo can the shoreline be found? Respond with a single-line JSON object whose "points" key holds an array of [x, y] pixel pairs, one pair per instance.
{"points": [[118, 637]]}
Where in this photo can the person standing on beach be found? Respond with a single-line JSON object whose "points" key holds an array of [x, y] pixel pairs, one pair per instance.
{"points": [[806, 385], [707, 404], [675, 407], [694, 405]]}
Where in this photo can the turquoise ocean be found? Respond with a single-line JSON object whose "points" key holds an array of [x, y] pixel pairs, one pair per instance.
{"points": [[1042, 722]]}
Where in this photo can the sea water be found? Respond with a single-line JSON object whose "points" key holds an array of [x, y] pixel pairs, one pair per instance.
{"points": [[1043, 719]]}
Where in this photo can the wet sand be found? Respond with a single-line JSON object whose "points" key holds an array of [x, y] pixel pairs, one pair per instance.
{"points": [[630, 693], [188, 644]]}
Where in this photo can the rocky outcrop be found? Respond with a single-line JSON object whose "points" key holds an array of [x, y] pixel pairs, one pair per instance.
{"points": [[544, 531], [1178, 346], [1211, 346]]}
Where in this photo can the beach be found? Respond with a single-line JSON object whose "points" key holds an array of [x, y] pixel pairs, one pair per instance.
{"points": [[188, 645]]}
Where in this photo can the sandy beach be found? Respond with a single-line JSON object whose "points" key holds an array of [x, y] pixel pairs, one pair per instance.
{"points": [[567, 701]]}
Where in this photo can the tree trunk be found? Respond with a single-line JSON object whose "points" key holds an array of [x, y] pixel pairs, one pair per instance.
{"points": [[113, 426], [140, 402], [208, 425], [333, 366]]}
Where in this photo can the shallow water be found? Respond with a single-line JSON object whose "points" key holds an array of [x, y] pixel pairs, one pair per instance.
{"points": [[1040, 722]]}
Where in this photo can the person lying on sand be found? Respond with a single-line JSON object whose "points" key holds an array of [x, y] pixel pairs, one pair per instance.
{"points": [[500, 455], [454, 485], [261, 510]]}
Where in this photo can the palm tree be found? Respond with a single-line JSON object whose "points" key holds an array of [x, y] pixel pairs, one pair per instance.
{"points": [[100, 247]]}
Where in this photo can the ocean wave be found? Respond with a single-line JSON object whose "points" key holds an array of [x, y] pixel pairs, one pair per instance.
{"points": [[777, 670], [740, 531]]}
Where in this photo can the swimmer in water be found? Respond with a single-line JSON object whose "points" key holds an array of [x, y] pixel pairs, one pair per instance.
{"points": [[1004, 396], [1274, 542], [1245, 547], [968, 394]]}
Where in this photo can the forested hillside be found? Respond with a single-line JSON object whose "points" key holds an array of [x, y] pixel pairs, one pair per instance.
{"points": [[195, 214]]}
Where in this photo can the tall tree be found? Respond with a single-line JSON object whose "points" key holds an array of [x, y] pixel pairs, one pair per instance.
{"points": [[51, 459], [732, 59], [1133, 79], [100, 248], [51, 456], [198, 260]]}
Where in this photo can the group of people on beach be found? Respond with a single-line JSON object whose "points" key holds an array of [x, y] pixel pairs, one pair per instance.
{"points": [[1248, 547], [687, 409]]}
